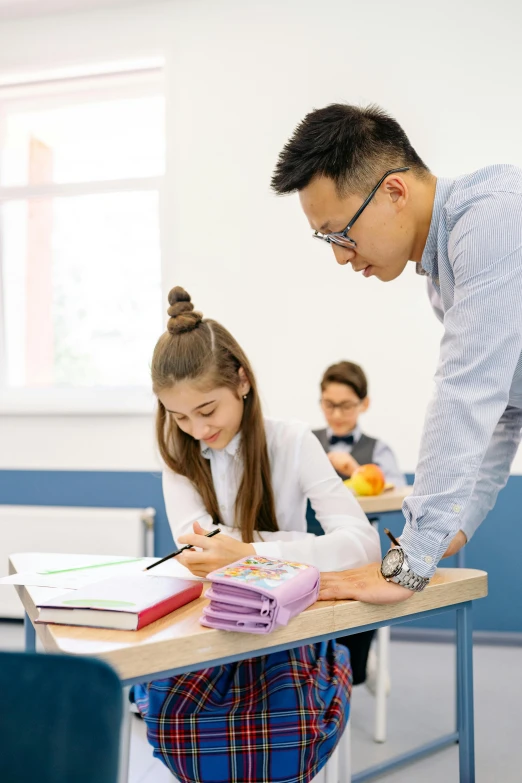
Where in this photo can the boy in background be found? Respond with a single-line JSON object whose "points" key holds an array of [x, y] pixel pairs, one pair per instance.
{"points": [[344, 397]]}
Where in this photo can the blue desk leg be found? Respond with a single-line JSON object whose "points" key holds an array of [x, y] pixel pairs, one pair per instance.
{"points": [[461, 563], [465, 694], [458, 679], [30, 635]]}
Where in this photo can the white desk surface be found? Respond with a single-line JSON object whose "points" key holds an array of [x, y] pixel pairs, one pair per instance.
{"points": [[179, 640]]}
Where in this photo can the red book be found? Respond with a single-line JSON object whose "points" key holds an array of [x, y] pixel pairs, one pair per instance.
{"points": [[126, 603]]}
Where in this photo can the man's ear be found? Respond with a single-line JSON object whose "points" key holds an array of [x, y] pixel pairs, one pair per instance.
{"points": [[365, 404], [397, 190]]}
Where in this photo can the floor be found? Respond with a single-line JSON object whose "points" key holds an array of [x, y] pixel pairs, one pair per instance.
{"points": [[421, 707]]}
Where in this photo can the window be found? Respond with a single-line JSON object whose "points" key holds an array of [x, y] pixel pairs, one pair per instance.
{"points": [[81, 167]]}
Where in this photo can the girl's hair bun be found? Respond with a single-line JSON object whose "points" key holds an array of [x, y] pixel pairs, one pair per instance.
{"points": [[183, 317]]}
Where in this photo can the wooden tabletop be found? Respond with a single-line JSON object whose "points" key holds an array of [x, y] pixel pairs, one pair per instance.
{"points": [[387, 501], [179, 640]]}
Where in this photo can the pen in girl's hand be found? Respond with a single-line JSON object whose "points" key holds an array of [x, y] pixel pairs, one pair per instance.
{"points": [[183, 548], [391, 537]]}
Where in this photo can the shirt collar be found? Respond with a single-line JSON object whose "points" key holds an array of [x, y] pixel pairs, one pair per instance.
{"points": [[442, 193], [231, 448], [356, 432]]}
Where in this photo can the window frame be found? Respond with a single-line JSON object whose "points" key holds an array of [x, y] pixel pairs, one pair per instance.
{"points": [[45, 92]]}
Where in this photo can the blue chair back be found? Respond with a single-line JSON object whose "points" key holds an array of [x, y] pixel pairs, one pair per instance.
{"points": [[60, 719]]}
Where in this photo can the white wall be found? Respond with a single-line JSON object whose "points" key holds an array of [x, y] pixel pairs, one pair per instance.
{"points": [[240, 76]]}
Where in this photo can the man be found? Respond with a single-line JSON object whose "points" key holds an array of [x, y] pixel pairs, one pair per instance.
{"points": [[367, 193]]}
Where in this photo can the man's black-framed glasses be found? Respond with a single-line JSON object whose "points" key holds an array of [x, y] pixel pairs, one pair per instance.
{"points": [[341, 238]]}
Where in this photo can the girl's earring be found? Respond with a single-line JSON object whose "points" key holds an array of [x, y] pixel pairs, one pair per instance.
{"points": [[245, 396]]}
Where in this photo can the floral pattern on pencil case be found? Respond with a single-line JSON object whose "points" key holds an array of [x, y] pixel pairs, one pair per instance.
{"points": [[261, 571]]}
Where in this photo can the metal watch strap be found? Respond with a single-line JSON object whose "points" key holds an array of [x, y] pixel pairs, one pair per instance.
{"points": [[411, 581]]}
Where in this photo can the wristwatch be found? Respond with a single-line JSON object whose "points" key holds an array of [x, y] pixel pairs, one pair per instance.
{"points": [[395, 568]]}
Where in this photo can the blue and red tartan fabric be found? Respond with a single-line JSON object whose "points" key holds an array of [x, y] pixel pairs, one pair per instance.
{"points": [[272, 719]]}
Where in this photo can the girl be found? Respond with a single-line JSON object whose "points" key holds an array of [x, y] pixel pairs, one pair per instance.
{"points": [[276, 718]]}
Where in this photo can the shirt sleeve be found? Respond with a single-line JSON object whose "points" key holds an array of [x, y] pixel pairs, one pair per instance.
{"points": [[184, 506], [435, 302], [350, 540], [494, 470], [480, 349], [384, 457]]}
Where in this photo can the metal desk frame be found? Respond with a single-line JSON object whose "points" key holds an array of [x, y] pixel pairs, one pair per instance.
{"points": [[464, 734]]}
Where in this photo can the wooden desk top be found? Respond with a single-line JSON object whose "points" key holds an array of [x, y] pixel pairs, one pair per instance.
{"points": [[388, 501], [179, 640]]}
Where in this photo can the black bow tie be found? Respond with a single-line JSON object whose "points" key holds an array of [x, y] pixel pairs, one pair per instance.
{"points": [[348, 439]]}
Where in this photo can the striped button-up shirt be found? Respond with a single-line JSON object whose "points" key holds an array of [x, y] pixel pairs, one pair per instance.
{"points": [[473, 256]]}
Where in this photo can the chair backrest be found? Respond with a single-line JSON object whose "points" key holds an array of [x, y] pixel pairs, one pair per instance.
{"points": [[60, 719]]}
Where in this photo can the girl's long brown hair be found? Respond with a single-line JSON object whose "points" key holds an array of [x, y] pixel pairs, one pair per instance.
{"points": [[199, 349]]}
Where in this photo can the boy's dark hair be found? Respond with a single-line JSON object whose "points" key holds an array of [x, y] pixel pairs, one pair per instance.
{"points": [[352, 145], [348, 373]]}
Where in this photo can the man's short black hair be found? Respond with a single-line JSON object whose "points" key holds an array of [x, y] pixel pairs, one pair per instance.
{"points": [[352, 145]]}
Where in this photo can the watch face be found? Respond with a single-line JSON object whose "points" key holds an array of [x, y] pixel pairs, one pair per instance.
{"points": [[392, 563]]}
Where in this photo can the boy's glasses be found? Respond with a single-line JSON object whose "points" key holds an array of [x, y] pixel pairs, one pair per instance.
{"points": [[344, 407], [341, 238]]}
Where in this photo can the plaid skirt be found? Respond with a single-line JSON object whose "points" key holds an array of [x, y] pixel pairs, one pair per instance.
{"points": [[272, 719]]}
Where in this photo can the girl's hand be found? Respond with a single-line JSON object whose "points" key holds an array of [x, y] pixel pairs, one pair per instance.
{"points": [[216, 552]]}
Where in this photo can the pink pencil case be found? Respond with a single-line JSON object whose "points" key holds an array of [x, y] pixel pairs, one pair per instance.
{"points": [[258, 594]]}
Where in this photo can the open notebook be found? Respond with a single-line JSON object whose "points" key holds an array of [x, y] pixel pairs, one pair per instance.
{"points": [[123, 602]]}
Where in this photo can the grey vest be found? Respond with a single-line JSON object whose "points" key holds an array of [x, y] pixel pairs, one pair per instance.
{"points": [[362, 451]]}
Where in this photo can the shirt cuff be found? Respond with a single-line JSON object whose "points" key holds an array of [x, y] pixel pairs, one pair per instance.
{"points": [[423, 551], [268, 549]]}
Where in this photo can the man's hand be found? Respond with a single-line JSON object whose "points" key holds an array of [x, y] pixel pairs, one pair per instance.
{"points": [[217, 552], [362, 584], [367, 584], [343, 462], [457, 543]]}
